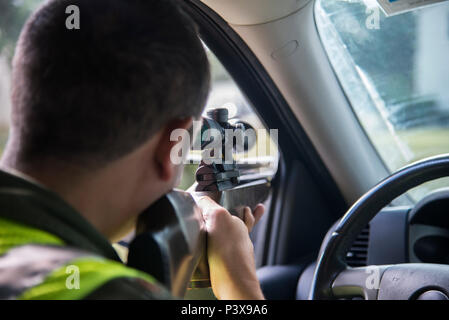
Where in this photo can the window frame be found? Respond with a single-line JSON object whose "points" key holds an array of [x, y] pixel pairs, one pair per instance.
{"points": [[299, 160]]}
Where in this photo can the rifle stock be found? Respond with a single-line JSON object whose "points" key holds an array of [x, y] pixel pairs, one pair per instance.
{"points": [[234, 200], [173, 229]]}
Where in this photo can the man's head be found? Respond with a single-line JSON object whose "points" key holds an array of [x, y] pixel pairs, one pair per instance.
{"points": [[95, 96]]}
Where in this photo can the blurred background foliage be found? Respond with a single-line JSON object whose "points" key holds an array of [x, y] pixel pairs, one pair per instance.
{"points": [[13, 14]]}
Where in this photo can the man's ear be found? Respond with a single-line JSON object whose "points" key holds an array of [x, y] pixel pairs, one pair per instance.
{"points": [[165, 164]]}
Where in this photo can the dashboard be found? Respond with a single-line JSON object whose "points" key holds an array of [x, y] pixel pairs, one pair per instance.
{"points": [[408, 235], [418, 234]]}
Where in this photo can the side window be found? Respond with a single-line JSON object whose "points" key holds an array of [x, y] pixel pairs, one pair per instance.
{"points": [[261, 159]]}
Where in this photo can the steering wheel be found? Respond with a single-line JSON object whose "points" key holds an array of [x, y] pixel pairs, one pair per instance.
{"points": [[334, 279]]}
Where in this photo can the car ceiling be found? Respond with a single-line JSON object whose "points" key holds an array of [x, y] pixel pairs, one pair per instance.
{"points": [[251, 12]]}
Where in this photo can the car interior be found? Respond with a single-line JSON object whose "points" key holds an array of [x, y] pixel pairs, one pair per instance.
{"points": [[359, 102]]}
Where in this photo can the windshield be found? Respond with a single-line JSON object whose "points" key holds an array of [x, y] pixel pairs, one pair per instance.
{"points": [[395, 72]]}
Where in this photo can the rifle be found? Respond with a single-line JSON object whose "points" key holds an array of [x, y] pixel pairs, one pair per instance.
{"points": [[171, 241]]}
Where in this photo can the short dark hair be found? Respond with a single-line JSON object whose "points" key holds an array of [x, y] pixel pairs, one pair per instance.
{"points": [[98, 93]]}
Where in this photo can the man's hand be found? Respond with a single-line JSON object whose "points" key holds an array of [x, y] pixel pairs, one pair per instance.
{"points": [[230, 252]]}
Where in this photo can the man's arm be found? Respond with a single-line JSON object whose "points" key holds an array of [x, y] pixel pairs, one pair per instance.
{"points": [[230, 252], [230, 256]]}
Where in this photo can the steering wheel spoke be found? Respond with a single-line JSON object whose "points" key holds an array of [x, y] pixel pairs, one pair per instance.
{"points": [[361, 282]]}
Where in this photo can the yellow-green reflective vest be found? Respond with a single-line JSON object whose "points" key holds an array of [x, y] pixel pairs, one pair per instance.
{"points": [[35, 264]]}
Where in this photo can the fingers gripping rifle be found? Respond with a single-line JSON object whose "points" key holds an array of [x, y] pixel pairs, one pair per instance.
{"points": [[170, 242]]}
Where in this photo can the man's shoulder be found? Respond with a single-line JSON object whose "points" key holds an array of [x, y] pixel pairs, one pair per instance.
{"points": [[108, 279], [35, 272]]}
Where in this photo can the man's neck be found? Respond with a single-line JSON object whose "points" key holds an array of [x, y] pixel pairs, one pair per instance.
{"points": [[102, 198], [109, 197]]}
